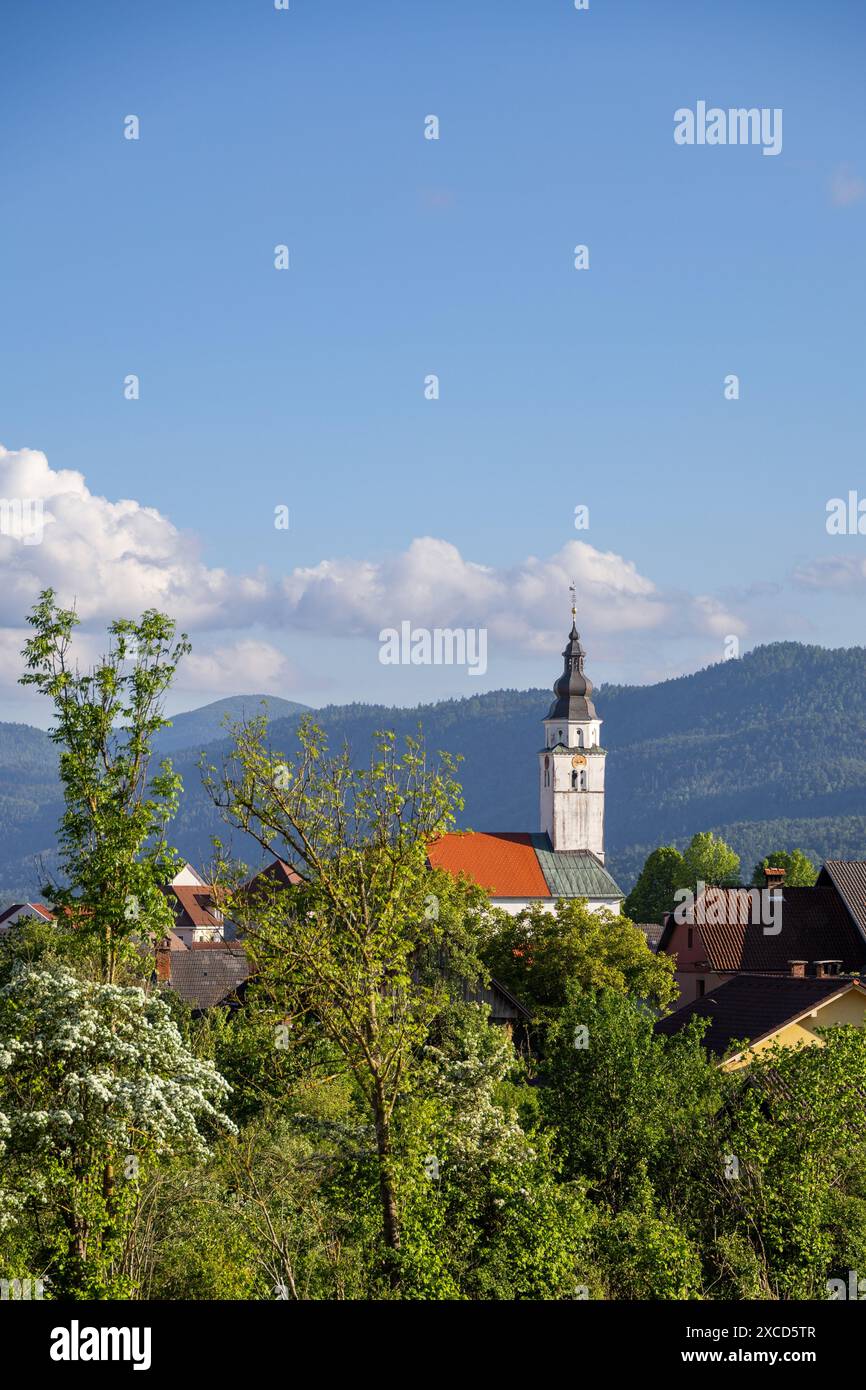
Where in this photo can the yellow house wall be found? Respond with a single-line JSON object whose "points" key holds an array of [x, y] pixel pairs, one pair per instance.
{"points": [[849, 1008]]}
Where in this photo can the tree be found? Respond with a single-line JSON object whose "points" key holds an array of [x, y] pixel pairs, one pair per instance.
{"points": [[486, 1216], [538, 954], [790, 1155], [709, 860], [96, 1086], [627, 1105], [653, 894], [113, 850], [369, 947], [800, 872]]}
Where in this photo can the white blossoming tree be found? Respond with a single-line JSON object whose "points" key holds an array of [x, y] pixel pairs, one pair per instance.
{"points": [[96, 1085]]}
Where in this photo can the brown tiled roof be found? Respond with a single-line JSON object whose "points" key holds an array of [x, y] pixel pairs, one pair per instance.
{"points": [[279, 872], [208, 974], [848, 877], [39, 908], [197, 907], [506, 865], [814, 926], [753, 1007]]}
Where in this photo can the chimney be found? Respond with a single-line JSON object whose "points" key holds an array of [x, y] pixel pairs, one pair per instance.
{"points": [[774, 878], [163, 963], [824, 968], [798, 968]]}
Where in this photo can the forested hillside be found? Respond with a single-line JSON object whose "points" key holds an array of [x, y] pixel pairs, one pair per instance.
{"points": [[769, 751]]}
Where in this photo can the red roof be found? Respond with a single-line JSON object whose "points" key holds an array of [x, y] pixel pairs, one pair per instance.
{"points": [[506, 865], [278, 872], [814, 926], [197, 906]]}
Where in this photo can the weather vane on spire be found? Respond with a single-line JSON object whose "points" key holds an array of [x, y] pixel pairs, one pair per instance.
{"points": [[572, 590]]}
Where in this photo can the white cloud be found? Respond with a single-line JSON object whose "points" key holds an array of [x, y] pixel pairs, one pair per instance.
{"points": [[115, 558], [431, 584], [110, 558], [237, 667], [844, 572]]}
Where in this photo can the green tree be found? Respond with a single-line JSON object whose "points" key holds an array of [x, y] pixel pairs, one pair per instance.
{"points": [[641, 1255], [653, 894], [800, 872], [708, 859], [788, 1165], [112, 839], [486, 1216], [369, 947], [538, 954], [628, 1106]]}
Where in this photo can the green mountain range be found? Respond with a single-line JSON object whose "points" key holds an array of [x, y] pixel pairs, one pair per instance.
{"points": [[768, 751]]}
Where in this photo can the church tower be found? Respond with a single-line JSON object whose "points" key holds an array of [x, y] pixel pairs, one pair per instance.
{"points": [[571, 763]]}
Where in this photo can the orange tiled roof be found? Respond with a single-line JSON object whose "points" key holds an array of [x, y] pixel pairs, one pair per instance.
{"points": [[506, 865], [197, 906]]}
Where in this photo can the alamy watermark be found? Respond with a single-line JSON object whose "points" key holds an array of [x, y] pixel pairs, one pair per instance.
{"points": [[22, 518], [735, 126], [855, 1288], [438, 646], [717, 906]]}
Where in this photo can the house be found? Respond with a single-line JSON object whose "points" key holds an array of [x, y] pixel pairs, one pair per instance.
{"points": [[764, 1010], [206, 975], [196, 913], [18, 912], [565, 857], [520, 870], [729, 932]]}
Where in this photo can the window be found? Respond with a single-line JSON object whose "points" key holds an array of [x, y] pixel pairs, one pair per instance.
{"points": [[574, 781], [580, 738], [701, 988], [690, 935], [546, 771]]}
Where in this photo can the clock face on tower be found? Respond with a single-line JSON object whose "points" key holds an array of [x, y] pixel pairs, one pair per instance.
{"points": [[578, 760]]}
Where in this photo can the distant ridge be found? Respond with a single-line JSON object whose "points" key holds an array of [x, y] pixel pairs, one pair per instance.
{"points": [[197, 727], [768, 750]]}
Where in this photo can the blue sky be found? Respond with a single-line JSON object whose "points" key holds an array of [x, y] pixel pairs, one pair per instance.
{"points": [[454, 257]]}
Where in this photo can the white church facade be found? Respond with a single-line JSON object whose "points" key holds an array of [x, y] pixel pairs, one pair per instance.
{"points": [[565, 857]]}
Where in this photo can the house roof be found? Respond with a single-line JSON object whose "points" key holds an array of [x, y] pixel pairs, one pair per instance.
{"points": [[279, 872], [504, 1006], [848, 877], [814, 926], [196, 907], [652, 931], [209, 973], [38, 908], [518, 865], [754, 1007]]}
